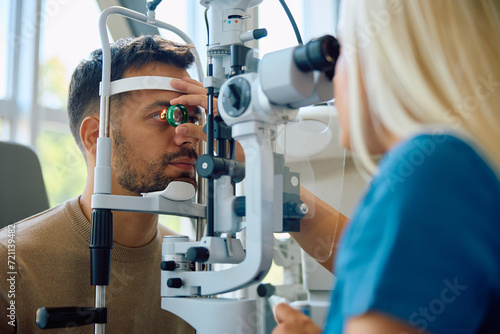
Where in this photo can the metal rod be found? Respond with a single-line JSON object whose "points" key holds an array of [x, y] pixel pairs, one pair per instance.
{"points": [[201, 195], [104, 116], [100, 302]]}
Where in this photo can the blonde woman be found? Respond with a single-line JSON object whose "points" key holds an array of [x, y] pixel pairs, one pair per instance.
{"points": [[418, 82]]}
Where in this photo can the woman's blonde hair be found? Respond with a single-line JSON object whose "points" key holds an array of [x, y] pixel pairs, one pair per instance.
{"points": [[425, 65]]}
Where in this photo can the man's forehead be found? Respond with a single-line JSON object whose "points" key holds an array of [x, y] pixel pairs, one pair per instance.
{"points": [[142, 83], [153, 75]]}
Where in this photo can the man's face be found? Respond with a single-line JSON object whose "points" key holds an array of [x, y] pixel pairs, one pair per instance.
{"points": [[147, 153]]}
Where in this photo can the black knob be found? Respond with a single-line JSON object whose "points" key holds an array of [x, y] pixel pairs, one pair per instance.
{"points": [[60, 317], [168, 265], [209, 166], [239, 206], [198, 254], [265, 290], [101, 243], [205, 166], [236, 97], [175, 283], [259, 33]]}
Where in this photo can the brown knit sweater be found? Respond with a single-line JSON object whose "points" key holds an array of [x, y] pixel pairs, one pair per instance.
{"points": [[51, 268]]}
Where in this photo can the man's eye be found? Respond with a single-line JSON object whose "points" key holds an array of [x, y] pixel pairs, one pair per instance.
{"points": [[162, 115], [193, 119]]}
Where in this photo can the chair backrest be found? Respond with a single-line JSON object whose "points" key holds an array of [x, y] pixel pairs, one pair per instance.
{"points": [[22, 190]]}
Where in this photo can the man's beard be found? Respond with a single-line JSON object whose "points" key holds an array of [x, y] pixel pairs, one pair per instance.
{"points": [[145, 176]]}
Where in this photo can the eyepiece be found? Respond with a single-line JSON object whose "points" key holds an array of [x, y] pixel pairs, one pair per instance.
{"points": [[177, 114], [319, 54]]}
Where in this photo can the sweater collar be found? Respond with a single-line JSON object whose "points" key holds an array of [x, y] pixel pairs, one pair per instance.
{"points": [[120, 253]]}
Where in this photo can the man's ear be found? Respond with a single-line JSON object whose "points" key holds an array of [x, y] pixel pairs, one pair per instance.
{"points": [[89, 132]]}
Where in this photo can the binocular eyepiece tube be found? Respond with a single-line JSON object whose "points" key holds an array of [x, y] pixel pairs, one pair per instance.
{"points": [[319, 54]]}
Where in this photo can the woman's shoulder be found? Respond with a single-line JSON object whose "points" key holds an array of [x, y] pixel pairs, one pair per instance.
{"points": [[426, 148], [429, 220], [425, 157]]}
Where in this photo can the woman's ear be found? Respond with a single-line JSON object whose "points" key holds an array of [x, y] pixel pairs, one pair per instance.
{"points": [[89, 132]]}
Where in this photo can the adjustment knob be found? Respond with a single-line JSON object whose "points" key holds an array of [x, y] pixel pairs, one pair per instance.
{"points": [[236, 96], [198, 254], [259, 33], [168, 265], [265, 290], [60, 317], [175, 283], [206, 165]]}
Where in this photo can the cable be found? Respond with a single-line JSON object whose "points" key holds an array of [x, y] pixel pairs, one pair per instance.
{"points": [[337, 16], [206, 22], [292, 21], [151, 5]]}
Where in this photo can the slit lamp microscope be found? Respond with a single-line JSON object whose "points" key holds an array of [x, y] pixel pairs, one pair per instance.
{"points": [[254, 97]]}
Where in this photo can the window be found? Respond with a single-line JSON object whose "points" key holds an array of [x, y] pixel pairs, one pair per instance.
{"points": [[280, 34], [62, 46], [175, 13], [272, 16], [4, 11]]}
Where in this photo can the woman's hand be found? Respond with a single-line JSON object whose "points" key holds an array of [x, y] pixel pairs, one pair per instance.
{"points": [[196, 95], [292, 321]]}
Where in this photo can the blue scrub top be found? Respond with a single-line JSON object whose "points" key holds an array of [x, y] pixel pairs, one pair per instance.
{"points": [[424, 243]]}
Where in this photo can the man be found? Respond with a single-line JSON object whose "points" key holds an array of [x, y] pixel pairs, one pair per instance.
{"points": [[51, 263]]}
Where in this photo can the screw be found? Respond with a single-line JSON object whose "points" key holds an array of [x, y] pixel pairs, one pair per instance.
{"points": [[302, 209]]}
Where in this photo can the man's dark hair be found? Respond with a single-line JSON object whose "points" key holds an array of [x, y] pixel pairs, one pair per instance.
{"points": [[130, 53]]}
